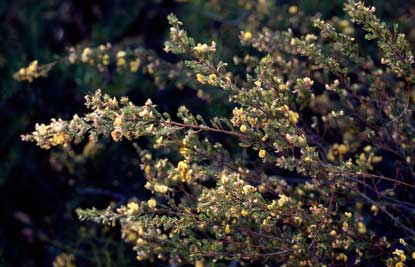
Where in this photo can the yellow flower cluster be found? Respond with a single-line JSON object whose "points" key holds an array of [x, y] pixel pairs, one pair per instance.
{"points": [[64, 260], [134, 65], [184, 173], [160, 188], [283, 200], [29, 73], [200, 78], [245, 197], [337, 152], [105, 58], [291, 115], [50, 135], [400, 258], [239, 116], [361, 228], [121, 62], [211, 79], [101, 55], [342, 257], [227, 229], [132, 208], [58, 139], [368, 157], [204, 48]]}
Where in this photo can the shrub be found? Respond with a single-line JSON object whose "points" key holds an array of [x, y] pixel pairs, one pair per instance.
{"points": [[314, 167]]}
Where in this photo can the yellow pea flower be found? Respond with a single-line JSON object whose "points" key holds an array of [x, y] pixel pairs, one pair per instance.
{"points": [[152, 203], [262, 153]]}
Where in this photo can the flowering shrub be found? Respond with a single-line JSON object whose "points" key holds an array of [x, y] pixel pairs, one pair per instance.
{"points": [[314, 167]]}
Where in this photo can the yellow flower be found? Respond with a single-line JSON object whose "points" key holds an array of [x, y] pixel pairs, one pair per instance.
{"points": [[399, 264], [22, 71], [132, 208], [134, 65], [182, 166], [116, 135], [201, 48], [361, 228], [400, 253], [64, 260], [121, 54], [246, 36], [293, 116], [342, 149], [224, 179], [243, 128], [293, 10], [28, 73], [342, 257], [298, 220], [374, 209], [152, 203], [85, 54], [58, 139], [72, 58], [121, 62], [310, 38], [248, 189], [227, 229], [32, 67], [159, 140], [199, 264], [283, 87], [147, 169], [344, 23], [367, 148], [413, 255], [244, 213], [262, 153], [106, 60], [117, 122], [252, 121], [140, 241], [160, 188], [183, 150], [200, 78], [345, 226], [348, 214], [121, 58], [376, 159], [348, 30], [402, 241], [283, 200], [183, 169], [212, 79]]}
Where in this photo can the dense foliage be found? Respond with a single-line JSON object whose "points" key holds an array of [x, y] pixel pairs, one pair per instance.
{"points": [[302, 156]]}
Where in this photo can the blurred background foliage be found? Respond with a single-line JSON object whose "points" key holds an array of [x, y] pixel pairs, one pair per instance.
{"points": [[40, 190]]}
